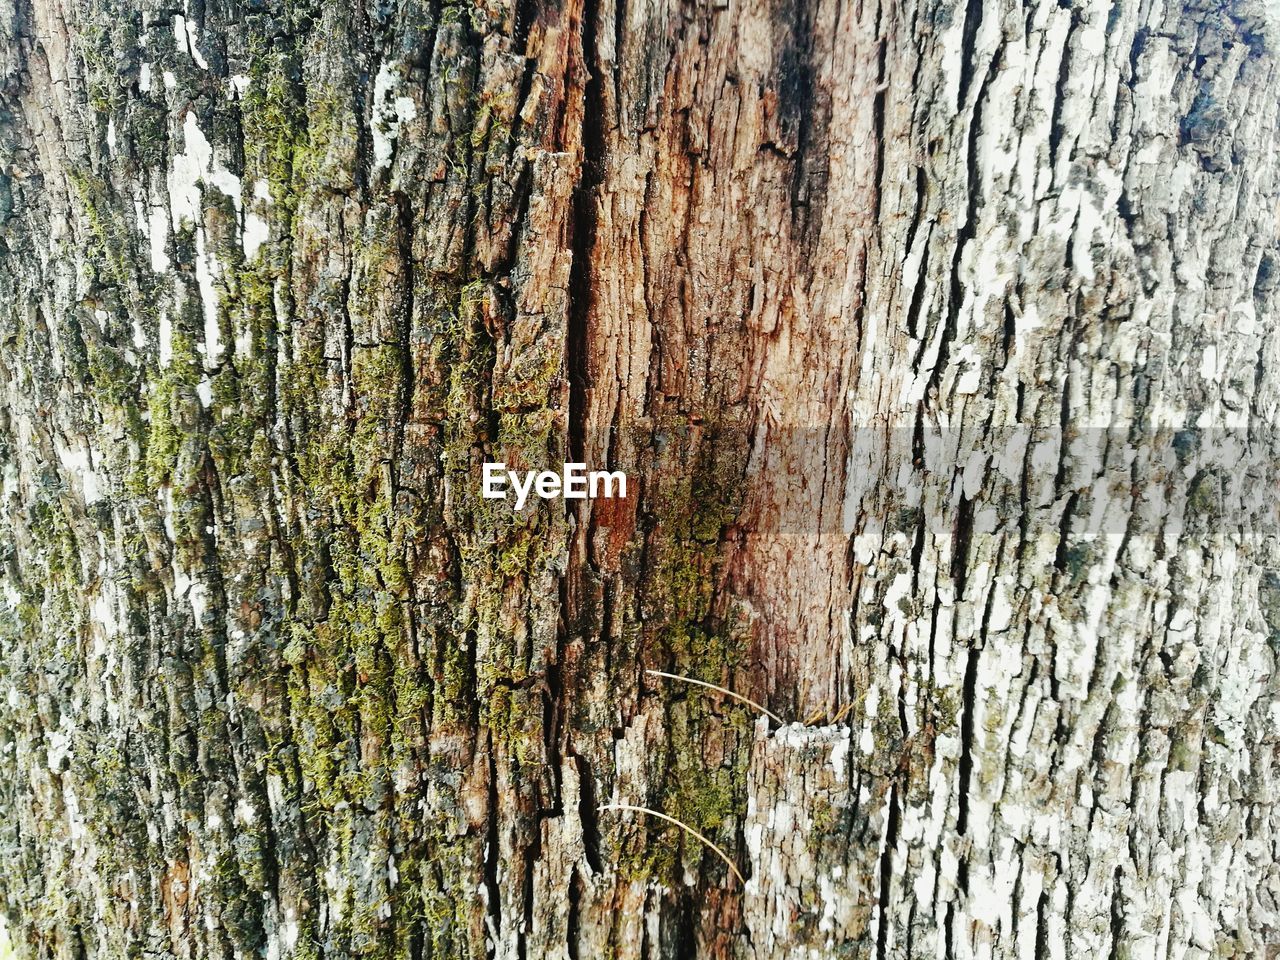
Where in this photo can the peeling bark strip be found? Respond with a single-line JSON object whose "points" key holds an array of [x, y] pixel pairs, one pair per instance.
{"points": [[278, 278]]}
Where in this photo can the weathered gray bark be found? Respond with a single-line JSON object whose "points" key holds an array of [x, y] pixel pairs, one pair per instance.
{"points": [[939, 342]]}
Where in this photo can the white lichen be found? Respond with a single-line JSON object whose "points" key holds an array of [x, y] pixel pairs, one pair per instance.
{"points": [[186, 37], [388, 113], [195, 168]]}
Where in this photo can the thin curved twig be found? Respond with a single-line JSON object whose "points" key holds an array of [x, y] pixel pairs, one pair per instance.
{"points": [[728, 693], [683, 826]]}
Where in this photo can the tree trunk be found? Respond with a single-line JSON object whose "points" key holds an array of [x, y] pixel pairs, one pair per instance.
{"points": [[938, 344]]}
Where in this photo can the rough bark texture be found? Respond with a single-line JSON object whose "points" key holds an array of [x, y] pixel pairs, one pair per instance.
{"points": [[939, 342]]}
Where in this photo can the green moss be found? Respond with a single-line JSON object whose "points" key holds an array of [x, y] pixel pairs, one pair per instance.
{"points": [[1204, 498], [50, 529], [695, 642], [356, 681], [944, 704], [273, 120], [108, 255], [825, 819], [1079, 557], [94, 42], [170, 399], [115, 382], [710, 799]]}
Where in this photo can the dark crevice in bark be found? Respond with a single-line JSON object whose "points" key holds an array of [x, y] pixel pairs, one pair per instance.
{"points": [[969, 36], [968, 229], [1136, 51], [1069, 254], [424, 56], [584, 230], [1098, 751], [1042, 924], [886, 874], [1266, 278], [802, 114], [1064, 426], [1068, 917], [1117, 951], [361, 32], [348, 334], [917, 213], [1032, 687], [587, 807], [532, 853], [573, 920], [644, 940], [1062, 557], [525, 15], [1016, 896], [990, 599], [916, 517], [961, 538], [932, 660], [967, 707], [1008, 335], [619, 39], [553, 707], [469, 645], [404, 405], [686, 930], [517, 127], [877, 113], [917, 296], [1061, 90], [493, 893], [903, 727]]}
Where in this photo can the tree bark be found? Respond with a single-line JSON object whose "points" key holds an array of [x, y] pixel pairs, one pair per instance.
{"points": [[938, 343]]}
